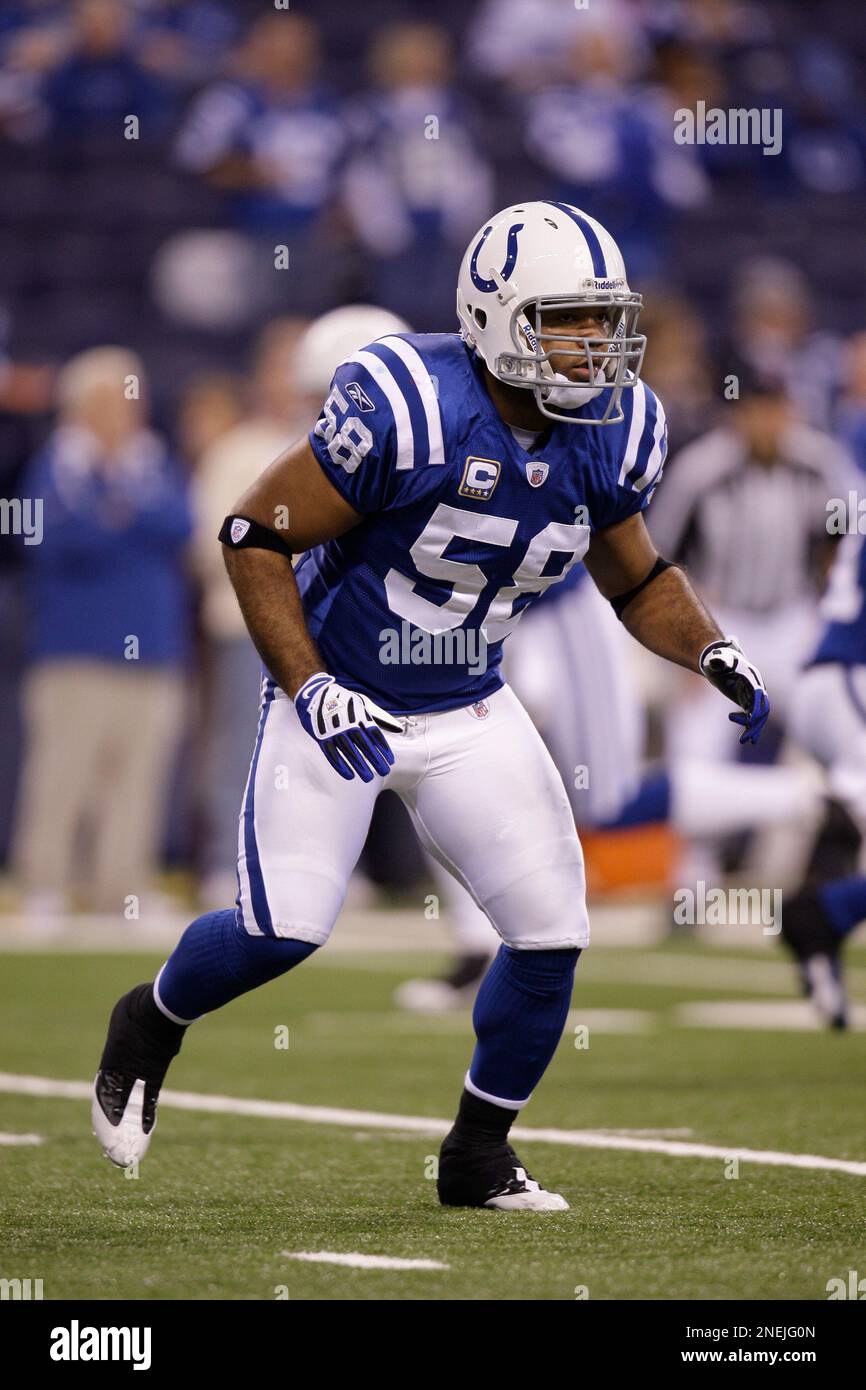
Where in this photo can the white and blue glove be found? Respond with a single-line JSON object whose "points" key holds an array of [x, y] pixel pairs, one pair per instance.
{"points": [[347, 727], [726, 667]]}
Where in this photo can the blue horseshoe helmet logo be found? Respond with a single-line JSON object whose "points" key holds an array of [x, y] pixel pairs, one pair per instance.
{"points": [[490, 286]]}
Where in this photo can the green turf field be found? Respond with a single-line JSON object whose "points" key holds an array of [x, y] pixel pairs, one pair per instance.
{"points": [[221, 1198]]}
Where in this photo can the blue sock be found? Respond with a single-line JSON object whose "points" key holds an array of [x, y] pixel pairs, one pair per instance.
{"points": [[216, 960], [844, 902], [519, 1016]]}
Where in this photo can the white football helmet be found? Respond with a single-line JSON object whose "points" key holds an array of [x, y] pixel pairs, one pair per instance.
{"points": [[548, 255], [336, 336]]}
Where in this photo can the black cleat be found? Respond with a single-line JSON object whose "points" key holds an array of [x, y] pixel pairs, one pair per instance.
{"points": [[490, 1177], [140, 1045], [817, 949]]}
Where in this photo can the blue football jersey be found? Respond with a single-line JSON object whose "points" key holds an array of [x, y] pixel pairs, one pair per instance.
{"points": [[571, 579], [462, 527], [843, 607]]}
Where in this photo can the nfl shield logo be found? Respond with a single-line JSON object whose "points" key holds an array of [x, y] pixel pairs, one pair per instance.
{"points": [[238, 529], [480, 710], [536, 473]]}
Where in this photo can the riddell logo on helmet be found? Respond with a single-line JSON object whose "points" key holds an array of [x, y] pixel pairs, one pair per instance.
{"points": [[603, 284], [530, 337]]}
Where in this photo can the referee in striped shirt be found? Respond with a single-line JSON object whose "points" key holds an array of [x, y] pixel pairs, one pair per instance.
{"points": [[745, 508]]}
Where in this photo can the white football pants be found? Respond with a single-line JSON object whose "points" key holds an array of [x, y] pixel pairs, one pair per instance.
{"points": [[485, 799]]}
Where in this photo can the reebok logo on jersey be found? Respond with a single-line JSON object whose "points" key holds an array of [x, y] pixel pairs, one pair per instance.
{"points": [[356, 393], [536, 472], [238, 529], [480, 477]]}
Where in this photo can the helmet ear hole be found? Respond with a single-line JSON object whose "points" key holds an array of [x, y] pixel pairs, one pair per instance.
{"points": [[480, 317]]}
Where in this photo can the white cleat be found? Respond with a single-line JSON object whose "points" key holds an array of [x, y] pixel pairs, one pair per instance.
{"points": [[123, 1111], [498, 1181], [527, 1195], [138, 1050]]}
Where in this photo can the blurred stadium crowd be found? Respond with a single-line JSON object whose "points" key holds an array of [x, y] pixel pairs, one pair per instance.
{"points": [[281, 162]]}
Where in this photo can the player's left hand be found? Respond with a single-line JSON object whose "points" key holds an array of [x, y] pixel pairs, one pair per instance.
{"points": [[347, 727], [726, 667]]}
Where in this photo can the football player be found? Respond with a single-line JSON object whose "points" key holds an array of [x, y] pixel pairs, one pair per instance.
{"points": [[449, 480], [828, 717], [570, 637]]}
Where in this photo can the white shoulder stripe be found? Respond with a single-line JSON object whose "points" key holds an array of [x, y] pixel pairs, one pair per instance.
{"points": [[383, 379], [656, 456], [427, 390], [635, 431]]}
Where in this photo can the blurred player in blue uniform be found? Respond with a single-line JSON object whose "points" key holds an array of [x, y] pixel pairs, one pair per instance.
{"points": [[449, 481], [828, 718]]}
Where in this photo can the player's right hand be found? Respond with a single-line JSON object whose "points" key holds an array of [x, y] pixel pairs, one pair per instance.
{"points": [[347, 727]]}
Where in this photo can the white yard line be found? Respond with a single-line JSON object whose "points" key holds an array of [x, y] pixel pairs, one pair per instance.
{"points": [[14, 1140], [356, 1261], [781, 1016], [683, 1132], [43, 1086]]}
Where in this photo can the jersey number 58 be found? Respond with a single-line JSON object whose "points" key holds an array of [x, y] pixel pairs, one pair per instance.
{"points": [[349, 445], [469, 580]]}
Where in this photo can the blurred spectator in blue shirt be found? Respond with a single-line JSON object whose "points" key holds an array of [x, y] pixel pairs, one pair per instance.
{"points": [[108, 624], [100, 80], [270, 137], [824, 149], [607, 145], [272, 140], [417, 186]]}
